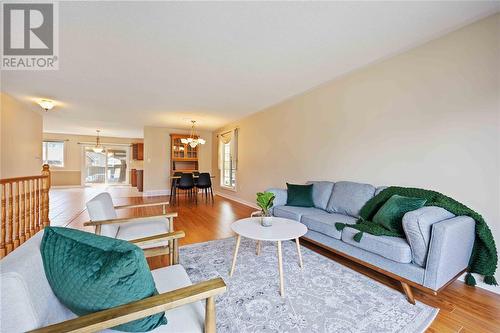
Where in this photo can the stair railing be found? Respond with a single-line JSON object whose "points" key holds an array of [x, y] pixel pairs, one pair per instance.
{"points": [[24, 209]]}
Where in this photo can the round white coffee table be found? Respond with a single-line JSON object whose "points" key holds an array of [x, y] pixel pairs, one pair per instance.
{"points": [[282, 229]]}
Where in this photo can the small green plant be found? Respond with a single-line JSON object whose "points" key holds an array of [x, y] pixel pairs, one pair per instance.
{"points": [[265, 201]]}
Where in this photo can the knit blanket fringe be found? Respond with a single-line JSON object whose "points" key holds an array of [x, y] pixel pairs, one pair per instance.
{"points": [[484, 257]]}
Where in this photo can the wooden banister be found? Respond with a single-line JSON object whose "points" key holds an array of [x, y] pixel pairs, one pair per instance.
{"points": [[24, 209]]}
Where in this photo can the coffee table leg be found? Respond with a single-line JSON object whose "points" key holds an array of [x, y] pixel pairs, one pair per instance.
{"points": [[298, 251], [235, 255], [280, 264], [258, 248]]}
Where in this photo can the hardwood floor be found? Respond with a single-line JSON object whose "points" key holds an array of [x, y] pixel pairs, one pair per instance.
{"points": [[462, 309]]}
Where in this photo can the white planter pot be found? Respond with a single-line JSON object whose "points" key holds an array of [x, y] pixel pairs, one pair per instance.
{"points": [[266, 221]]}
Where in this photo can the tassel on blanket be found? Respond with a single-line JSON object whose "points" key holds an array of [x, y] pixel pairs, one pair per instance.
{"points": [[470, 280], [490, 279], [358, 236], [339, 226]]}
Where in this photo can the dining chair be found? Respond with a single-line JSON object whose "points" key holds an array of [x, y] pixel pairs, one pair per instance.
{"points": [[205, 184], [173, 186], [196, 174], [186, 183]]}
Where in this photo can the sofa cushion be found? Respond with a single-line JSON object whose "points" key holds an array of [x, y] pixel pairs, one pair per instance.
{"points": [[325, 223], [299, 195], [294, 213], [349, 197], [322, 191], [393, 248], [417, 226], [391, 213], [89, 273]]}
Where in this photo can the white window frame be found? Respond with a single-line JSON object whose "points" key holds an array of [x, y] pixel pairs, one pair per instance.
{"points": [[227, 158], [108, 146], [44, 156]]}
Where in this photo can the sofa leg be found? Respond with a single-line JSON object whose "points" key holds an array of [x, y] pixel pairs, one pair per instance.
{"points": [[408, 292], [210, 315]]}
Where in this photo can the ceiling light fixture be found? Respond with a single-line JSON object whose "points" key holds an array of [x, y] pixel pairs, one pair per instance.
{"points": [[98, 148], [46, 104], [193, 139]]}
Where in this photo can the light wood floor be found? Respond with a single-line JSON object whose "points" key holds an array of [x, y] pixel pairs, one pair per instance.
{"points": [[462, 309]]}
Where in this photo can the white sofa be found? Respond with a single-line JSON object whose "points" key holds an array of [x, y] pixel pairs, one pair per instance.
{"points": [[28, 303]]}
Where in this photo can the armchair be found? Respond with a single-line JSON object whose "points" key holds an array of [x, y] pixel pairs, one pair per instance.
{"points": [[32, 306], [104, 218]]}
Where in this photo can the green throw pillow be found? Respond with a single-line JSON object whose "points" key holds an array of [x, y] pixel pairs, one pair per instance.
{"points": [[390, 215], [89, 273], [299, 195]]}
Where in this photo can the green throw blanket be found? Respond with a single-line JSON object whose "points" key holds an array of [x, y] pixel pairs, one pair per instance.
{"points": [[484, 257]]}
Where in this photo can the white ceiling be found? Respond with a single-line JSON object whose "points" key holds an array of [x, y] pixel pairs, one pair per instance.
{"points": [[125, 65]]}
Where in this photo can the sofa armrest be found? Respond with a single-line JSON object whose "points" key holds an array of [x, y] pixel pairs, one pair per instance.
{"points": [[450, 249], [417, 226], [280, 196]]}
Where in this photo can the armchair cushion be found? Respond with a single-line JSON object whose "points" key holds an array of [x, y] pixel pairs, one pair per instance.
{"points": [[101, 208], [135, 230], [89, 273]]}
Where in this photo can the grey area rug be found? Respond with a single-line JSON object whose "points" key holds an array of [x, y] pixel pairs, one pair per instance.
{"points": [[324, 296]]}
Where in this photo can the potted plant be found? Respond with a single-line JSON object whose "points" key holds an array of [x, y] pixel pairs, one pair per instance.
{"points": [[265, 202]]}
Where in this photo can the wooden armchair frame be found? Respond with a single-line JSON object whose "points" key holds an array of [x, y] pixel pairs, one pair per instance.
{"points": [[164, 250], [206, 290]]}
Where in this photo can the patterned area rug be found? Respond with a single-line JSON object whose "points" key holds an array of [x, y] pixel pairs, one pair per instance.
{"points": [[324, 296]]}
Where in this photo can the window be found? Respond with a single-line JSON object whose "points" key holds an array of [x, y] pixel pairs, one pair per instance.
{"points": [[53, 153], [228, 178], [228, 152]]}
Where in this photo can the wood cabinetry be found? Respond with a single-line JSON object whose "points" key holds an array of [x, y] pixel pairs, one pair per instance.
{"points": [[138, 151], [184, 158], [133, 177], [140, 178]]}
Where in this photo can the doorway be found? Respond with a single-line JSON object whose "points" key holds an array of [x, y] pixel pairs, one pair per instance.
{"points": [[108, 167]]}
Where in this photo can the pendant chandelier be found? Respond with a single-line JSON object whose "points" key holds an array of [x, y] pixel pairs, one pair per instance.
{"points": [[193, 140], [98, 148]]}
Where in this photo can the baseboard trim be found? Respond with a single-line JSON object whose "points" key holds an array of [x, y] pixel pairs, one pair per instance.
{"points": [[233, 198]]}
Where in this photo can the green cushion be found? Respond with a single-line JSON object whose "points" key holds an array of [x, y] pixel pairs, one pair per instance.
{"points": [[89, 273], [390, 215], [299, 195]]}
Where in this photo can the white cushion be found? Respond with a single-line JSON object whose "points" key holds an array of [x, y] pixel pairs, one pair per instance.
{"points": [[134, 230], [101, 208], [28, 303], [27, 300], [185, 319]]}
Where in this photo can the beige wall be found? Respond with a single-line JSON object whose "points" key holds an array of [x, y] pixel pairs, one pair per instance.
{"points": [[21, 139], [70, 174], [157, 157], [428, 118]]}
